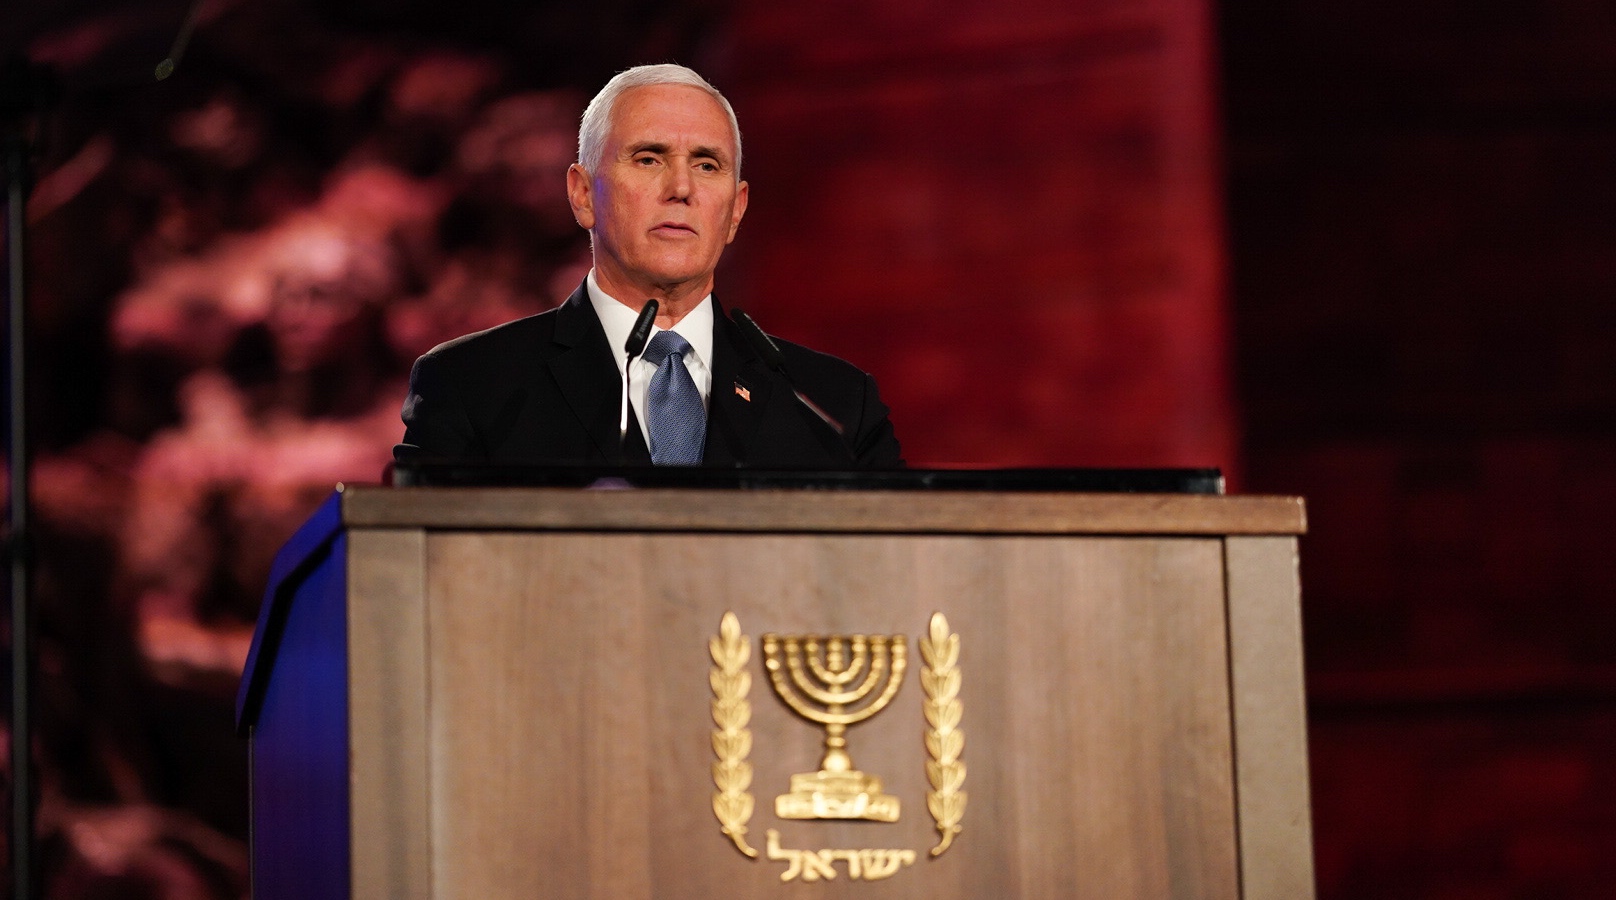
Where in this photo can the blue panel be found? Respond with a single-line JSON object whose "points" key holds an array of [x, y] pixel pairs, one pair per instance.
{"points": [[300, 783], [306, 548]]}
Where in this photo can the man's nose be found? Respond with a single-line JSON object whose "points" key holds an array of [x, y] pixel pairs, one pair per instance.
{"points": [[678, 183]]}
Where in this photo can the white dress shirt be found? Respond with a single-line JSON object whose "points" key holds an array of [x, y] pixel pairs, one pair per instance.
{"points": [[618, 320]]}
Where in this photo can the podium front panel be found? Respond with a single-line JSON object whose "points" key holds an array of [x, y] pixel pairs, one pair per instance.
{"points": [[565, 707]]}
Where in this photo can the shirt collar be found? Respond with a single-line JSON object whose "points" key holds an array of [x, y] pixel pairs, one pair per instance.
{"points": [[617, 318]]}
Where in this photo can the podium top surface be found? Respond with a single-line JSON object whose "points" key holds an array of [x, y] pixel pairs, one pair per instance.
{"points": [[1024, 501], [416, 473]]}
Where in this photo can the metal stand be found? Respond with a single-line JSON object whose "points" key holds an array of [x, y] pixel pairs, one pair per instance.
{"points": [[23, 89]]}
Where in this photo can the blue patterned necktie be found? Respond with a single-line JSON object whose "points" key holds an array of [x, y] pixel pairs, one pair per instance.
{"points": [[674, 414]]}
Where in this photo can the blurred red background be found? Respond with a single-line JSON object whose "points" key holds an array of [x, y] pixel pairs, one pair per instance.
{"points": [[1356, 252]]}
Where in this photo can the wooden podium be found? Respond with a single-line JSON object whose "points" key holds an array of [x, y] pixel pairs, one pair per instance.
{"points": [[501, 692]]}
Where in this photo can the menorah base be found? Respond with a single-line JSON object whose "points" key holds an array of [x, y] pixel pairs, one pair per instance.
{"points": [[836, 795]]}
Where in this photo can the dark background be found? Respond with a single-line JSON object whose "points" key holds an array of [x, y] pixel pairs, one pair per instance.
{"points": [[1360, 252], [1422, 209]]}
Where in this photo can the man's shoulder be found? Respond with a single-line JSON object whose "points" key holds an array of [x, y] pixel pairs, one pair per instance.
{"points": [[849, 396], [807, 363]]}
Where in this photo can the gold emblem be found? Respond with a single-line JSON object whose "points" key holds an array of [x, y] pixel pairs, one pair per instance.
{"points": [[831, 681], [940, 679], [732, 740], [836, 681], [862, 865]]}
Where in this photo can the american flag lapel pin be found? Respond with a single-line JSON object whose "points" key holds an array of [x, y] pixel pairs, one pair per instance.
{"points": [[742, 392]]}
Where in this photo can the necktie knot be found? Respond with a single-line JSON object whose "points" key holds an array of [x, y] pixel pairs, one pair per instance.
{"points": [[665, 344]]}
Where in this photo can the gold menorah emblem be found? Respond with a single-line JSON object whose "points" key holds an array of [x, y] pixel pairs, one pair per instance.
{"points": [[833, 680]]}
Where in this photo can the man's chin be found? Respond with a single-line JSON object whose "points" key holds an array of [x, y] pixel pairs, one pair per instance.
{"points": [[665, 273], [672, 280]]}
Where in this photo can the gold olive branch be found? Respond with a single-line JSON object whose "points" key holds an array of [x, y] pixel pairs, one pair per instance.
{"points": [[940, 678], [732, 740]]}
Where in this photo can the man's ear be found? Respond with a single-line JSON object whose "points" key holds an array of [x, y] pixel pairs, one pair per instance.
{"points": [[581, 196], [741, 192]]}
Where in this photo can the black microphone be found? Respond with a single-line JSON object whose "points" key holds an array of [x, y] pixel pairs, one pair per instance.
{"points": [[171, 62], [761, 342], [634, 346], [774, 359]]}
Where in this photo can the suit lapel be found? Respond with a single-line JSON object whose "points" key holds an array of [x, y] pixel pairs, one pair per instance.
{"points": [[740, 392], [581, 364]]}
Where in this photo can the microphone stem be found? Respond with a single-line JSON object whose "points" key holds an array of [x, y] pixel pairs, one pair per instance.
{"points": [[628, 380], [774, 359], [813, 407], [632, 349]]}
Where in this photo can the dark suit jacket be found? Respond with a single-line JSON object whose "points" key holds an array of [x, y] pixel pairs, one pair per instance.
{"points": [[545, 389]]}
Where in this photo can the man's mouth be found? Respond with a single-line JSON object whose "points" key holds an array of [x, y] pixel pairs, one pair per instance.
{"points": [[673, 228]]}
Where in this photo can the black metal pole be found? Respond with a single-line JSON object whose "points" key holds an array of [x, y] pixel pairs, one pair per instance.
{"points": [[22, 761]]}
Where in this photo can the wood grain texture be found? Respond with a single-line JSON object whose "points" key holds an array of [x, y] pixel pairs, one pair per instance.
{"points": [[1270, 718], [963, 512], [570, 721], [387, 688]]}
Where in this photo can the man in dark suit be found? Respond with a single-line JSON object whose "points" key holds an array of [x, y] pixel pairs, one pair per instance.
{"points": [[657, 185]]}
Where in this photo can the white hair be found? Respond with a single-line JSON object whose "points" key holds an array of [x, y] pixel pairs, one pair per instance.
{"points": [[597, 118]]}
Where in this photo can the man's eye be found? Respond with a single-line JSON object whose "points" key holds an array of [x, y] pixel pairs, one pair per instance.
{"points": [[645, 160], [709, 167]]}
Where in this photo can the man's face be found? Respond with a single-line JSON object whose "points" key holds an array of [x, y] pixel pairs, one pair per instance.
{"points": [[665, 200]]}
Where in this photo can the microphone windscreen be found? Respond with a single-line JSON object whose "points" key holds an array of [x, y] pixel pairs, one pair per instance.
{"points": [[642, 329]]}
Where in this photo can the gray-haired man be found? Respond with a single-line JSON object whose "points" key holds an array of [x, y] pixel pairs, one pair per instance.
{"points": [[657, 185]]}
